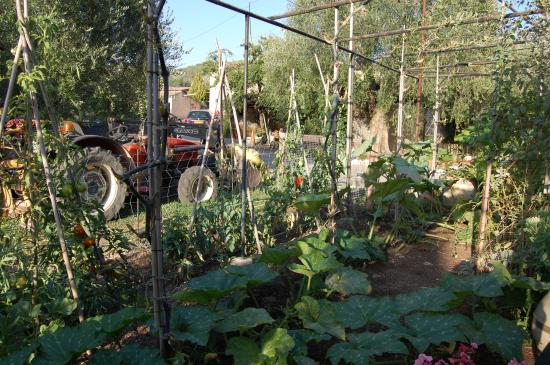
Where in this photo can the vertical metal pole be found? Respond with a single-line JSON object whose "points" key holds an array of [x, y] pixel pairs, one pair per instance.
{"points": [[436, 118], [155, 173], [245, 125], [349, 119], [334, 120], [401, 111], [418, 129]]}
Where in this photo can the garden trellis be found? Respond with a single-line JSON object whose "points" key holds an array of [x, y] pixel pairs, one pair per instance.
{"points": [[207, 223]]}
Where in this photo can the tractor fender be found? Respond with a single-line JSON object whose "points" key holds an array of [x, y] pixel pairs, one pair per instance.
{"points": [[108, 144]]}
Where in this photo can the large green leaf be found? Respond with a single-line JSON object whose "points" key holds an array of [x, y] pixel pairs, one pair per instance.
{"points": [[524, 282], [132, 354], [315, 263], [302, 337], [111, 324], [359, 311], [65, 344], [319, 316], [483, 285], [365, 147], [211, 286], [243, 320], [193, 324], [348, 281], [64, 306], [311, 203], [276, 345], [402, 167], [313, 245], [353, 247], [255, 274], [361, 347], [425, 299], [431, 328], [499, 334], [278, 255], [244, 351], [20, 357]]}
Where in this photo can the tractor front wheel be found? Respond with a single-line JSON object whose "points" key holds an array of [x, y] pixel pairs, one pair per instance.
{"points": [[102, 184], [188, 185]]}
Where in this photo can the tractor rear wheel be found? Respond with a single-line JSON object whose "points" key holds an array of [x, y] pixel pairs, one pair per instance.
{"points": [[102, 184], [189, 181]]}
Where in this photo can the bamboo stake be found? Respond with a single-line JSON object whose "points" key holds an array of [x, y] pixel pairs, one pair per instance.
{"points": [[486, 196], [349, 116], [419, 122], [45, 164], [436, 118], [11, 84], [297, 118], [205, 152], [326, 88], [401, 111], [234, 109], [245, 125]]}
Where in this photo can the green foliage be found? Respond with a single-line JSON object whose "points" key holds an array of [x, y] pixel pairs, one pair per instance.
{"points": [[360, 347], [193, 324], [348, 281], [61, 345], [246, 319], [211, 286], [198, 89]]}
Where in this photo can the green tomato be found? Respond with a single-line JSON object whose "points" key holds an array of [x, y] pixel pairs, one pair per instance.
{"points": [[67, 190], [81, 187]]}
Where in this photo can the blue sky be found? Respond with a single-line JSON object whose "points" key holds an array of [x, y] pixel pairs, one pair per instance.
{"points": [[199, 23]]}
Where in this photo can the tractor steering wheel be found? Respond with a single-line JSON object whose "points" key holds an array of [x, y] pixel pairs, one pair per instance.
{"points": [[119, 132]]}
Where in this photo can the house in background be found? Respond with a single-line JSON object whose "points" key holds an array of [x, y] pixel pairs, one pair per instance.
{"points": [[180, 102]]}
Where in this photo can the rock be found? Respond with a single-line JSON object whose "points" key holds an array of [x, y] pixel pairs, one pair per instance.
{"points": [[241, 261], [461, 191]]}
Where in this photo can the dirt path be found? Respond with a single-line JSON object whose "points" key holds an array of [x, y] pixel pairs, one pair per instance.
{"points": [[413, 266]]}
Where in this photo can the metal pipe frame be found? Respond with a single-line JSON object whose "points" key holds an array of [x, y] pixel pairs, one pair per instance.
{"points": [[300, 32]]}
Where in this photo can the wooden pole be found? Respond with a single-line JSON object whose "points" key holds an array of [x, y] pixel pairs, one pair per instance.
{"points": [[401, 111], [349, 115], [436, 118], [478, 20], [486, 196], [312, 9], [234, 109], [245, 125], [22, 18], [418, 127], [326, 89]]}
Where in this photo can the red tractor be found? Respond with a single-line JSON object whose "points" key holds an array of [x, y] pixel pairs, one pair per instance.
{"points": [[108, 156]]}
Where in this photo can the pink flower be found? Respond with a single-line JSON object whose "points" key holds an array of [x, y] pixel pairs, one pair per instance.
{"points": [[515, 362], [474, 345], [423, 359]]}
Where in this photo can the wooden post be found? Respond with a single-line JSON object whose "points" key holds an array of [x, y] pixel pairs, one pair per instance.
{"points": [[349, 116], [326, 89], [436, 118], [24, 41], [234, 109], [401, 111], [419, 122], [245, 125]]}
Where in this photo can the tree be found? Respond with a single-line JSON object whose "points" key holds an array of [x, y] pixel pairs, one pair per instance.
{"points": [[198, 89]]}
